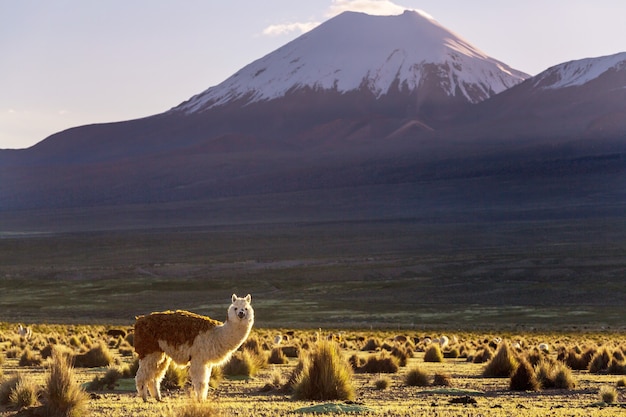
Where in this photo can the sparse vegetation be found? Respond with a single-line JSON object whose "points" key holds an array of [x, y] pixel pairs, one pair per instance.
{"points": [[63, 396], [399, 393], [608, 394], [416, 377], [433, 354], [326, 375], [503, 364]]}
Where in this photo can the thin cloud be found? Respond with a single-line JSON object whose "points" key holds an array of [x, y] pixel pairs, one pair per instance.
{"points": [[373, 7], [287, 28]]}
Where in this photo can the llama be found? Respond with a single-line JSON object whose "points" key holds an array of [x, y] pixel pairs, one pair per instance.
{"points": [[24, 332], [188, 338]]}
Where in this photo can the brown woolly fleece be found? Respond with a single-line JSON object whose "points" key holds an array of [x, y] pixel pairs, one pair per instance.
{"points": [[176, 327]]}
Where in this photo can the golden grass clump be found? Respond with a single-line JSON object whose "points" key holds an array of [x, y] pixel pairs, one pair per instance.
{"points": [[485, 354], [245, 363], [382, 363], [175, 377], [433, 353], [8, 386], [382, 383], [524, 378], [416, 377], [24, 394], [326, 375], [503, 364], [608, 394], [578, 360], [29, 358], [600, 361], [277, 357], [96, 357], [63, 397]]}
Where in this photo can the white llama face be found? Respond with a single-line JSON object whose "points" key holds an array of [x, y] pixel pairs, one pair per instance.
{"points": [[241, 309]]}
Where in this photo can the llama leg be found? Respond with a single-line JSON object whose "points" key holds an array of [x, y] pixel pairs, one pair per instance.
{"points": [[160, 374], [146, 374], [200, 374]]}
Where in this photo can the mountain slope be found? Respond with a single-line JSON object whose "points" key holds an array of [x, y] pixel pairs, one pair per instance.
{"points": [[575, 100], [377, 53], [238, 140]]}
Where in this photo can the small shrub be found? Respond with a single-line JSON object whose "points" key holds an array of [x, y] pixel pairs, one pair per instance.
{"points": [[416, 378], [524, 378], [600, 361], [74, 341], [277, 357], [327, 376], [24, 394], [63, 396], [276, 379], [579, 361], [442, 380], [243, 363], [401, 354], [503, 364], [433, 354], [371, 345], [8, 386], [554, 375], [452, 353], [563, 377], [96, 357], [108, 381], [383, 363], [608, 394], [483, 355], [175, 377], [296, 373], [382, 383], [356, 361], [29, 358], [616, 367]]}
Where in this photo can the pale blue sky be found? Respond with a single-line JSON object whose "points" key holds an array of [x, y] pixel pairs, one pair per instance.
{"points": [[66, 63]]}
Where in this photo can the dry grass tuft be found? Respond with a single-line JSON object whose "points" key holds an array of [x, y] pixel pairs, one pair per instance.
{"points": [[245, 363], [524, 378], [383, 363], [24, 394], [416, 377], [433, 354], [326, 375], [608, 394], [503, 364], [63, 396], [96, 357]]}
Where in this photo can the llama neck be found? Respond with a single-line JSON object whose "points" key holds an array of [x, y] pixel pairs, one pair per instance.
{"points": [[234, 332]]}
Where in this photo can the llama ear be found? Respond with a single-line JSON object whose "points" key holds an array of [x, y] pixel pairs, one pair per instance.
{"points": [[234, 297], [248, 298]]}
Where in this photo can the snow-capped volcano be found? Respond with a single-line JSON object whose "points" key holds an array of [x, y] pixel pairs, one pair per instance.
{"points": [[410, 52]]}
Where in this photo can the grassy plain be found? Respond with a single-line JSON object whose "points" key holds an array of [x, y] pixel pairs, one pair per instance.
{"points": [[540, 280], [235, 396], [402, 273]]}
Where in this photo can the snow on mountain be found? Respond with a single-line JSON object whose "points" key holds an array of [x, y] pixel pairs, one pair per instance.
{"points": [[354, 51], [579, 72]]}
